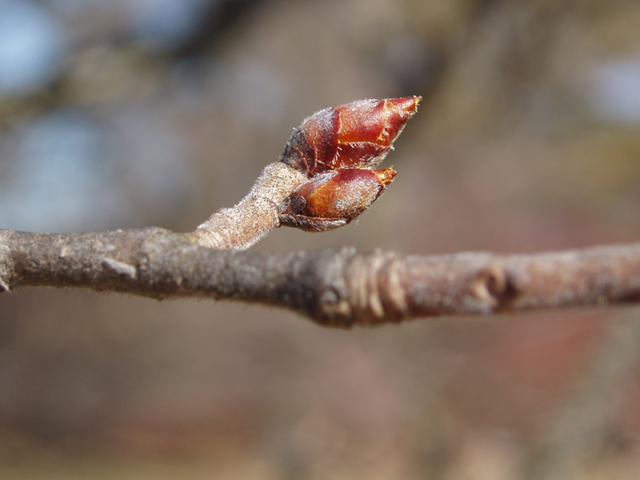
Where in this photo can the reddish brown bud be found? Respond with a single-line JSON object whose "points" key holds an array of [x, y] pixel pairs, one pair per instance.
{"points": [[332, 199], [355, 135]]}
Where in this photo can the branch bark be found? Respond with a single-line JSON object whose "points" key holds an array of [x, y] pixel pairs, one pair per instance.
{"points": [[337, 288], [324, 179]]}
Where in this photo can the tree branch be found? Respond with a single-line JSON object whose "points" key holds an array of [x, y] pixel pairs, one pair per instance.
{"points": [[338, 288], [324, 179]]}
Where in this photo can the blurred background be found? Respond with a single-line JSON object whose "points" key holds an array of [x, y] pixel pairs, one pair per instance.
{"points": [[131, 113]]}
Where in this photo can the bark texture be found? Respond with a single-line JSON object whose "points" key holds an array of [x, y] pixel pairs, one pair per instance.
{"points": [[338, 288]]}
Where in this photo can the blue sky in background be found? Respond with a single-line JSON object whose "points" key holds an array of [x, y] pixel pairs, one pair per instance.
{"points": [[32, 47], [63, 171]]}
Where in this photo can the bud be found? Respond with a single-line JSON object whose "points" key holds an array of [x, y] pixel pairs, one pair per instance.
{"points": [[355, 135], [332, 199]]}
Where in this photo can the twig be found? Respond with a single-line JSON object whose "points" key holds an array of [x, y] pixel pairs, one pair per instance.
{"points": [[338, 288], [324, 178], [250, 220]]}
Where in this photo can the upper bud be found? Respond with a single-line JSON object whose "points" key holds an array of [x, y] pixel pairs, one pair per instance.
{"points": [[354, 135]]}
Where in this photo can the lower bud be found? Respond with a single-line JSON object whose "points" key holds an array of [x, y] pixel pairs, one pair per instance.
{"points": [[332, 199]]}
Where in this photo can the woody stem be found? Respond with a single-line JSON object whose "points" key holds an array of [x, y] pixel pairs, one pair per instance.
{"points": [[254, 216]]}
